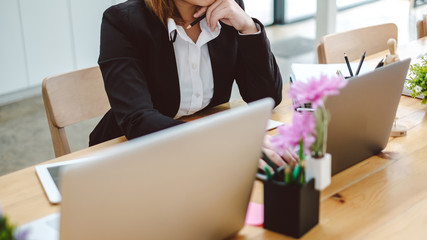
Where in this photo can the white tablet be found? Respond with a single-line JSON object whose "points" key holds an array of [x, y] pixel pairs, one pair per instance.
{"points": [[49, 176]]}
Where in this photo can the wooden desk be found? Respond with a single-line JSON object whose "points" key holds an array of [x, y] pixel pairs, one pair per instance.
{"points": [[382, 197]]}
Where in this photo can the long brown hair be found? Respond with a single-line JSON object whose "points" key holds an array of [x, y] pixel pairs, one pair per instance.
{"points": [[163, 9]]}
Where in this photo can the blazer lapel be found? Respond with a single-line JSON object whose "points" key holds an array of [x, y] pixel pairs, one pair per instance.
{"points": [[166, 67]]}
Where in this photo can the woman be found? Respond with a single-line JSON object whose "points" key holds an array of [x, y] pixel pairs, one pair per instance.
{"points": [[157, 69]]}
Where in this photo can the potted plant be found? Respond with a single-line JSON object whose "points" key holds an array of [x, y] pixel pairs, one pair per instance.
{"points": [[417, 82], [312, 149], [291, 204]]}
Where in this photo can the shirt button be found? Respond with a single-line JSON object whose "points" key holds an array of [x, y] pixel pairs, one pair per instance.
{"points": [[197, 95], [194, 66]]}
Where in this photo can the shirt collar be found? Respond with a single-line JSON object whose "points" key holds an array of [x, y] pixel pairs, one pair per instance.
{"points": [[204, 37], [172, 29]]}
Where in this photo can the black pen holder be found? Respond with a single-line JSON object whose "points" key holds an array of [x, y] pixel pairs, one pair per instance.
{"points": [[290, 209]]}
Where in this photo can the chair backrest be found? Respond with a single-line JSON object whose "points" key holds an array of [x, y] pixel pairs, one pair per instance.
{"points": [[70, 98], [371, 39], [422, 27]]}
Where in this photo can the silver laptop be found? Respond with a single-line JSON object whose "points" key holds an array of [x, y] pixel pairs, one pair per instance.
{"points": [[363, 113], [191, 181]]}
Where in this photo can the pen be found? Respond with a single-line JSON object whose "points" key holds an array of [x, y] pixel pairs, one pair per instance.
{"points": [[301, 174], [196, 21], [380, 64], [279, 174], [360, 64], [295, 173], [287, 177], [348, 64], [267, 173]]}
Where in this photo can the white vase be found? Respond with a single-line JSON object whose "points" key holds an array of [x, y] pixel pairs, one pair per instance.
{"points": [[320, 170]]}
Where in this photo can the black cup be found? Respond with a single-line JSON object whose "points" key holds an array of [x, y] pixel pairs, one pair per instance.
{"points": [[290, 209]]}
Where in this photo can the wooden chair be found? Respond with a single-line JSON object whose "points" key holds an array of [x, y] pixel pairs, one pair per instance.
{"points": [[422, 27], [71, 98], [371, 39]]}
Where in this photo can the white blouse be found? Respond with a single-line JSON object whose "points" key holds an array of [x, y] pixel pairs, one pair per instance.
{"points": [[194, 66]]}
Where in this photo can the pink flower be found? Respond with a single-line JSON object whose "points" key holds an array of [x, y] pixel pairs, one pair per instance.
{"points": [[314, 90], [301, 128]]}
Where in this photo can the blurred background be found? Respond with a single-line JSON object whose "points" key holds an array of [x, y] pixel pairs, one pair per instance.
{"points": [[48, 37]]}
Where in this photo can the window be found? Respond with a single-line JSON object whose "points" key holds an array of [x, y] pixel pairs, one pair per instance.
{"points": [[261, 10]]}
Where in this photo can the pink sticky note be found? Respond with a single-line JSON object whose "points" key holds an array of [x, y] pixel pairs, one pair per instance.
{"points": [[255, 214]]}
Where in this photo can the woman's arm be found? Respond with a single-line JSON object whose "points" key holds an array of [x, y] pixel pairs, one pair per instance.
{"points": [[126, 81], [257, 73]]}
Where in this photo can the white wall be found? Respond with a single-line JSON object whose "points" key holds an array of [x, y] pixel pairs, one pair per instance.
{"points": [[13, 70], [86, 17], [46, 37]]}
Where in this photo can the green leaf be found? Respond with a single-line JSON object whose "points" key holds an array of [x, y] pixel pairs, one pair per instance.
{"points": [[417, 77]]}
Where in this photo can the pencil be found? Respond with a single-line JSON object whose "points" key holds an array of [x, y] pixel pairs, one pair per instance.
{"points": [[360, 64], [348, 65], [196, 21]]}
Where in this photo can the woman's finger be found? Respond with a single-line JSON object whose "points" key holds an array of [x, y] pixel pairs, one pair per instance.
{"points": [[274, 157], [290, 157], [209, 12], [262, 165], [220, 13], [200, 12]]}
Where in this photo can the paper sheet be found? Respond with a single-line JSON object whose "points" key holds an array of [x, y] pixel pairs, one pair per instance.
{"points": [[255, 214], [304, 72], [273, 124]]}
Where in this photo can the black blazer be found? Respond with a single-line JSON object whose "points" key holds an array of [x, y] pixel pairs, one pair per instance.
{"points": [[138, 65]]}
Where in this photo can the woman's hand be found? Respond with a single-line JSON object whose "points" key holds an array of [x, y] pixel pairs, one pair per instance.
{"points": [[289, 157], [230, 13]]}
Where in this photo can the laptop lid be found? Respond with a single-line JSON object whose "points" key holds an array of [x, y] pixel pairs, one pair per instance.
{"points": [[191, 181], [362, 114]]}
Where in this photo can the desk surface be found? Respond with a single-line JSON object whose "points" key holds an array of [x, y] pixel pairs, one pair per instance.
{"points": [[382, 197]]}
